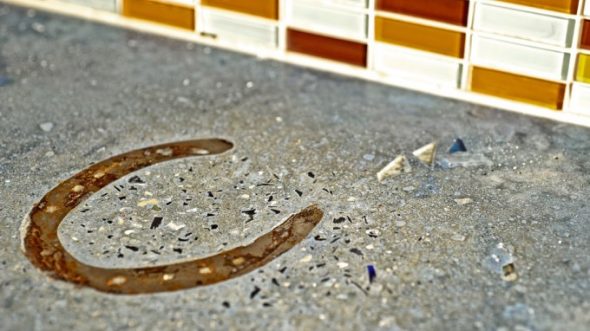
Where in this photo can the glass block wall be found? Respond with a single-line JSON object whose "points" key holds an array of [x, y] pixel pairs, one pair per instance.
{"points": [[531, 56]]}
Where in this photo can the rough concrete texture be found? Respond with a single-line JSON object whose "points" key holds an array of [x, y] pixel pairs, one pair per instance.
{"points": [[499, 242]]}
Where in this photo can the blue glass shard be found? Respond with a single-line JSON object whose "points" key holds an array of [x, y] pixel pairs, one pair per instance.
{"points": [[457, 146], [372, 272]]}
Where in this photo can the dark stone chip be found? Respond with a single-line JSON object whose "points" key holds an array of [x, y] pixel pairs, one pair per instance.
{"points": [[156, 222], [132, 248], [339, 220], [356, 251], [254, 292], [136, 180]]}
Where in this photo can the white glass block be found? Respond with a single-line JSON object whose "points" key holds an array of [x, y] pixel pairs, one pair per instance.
{"points": [[326, 19], [524, 25], [587, 8], [416, 66], [188, 3], [518, 58], [580, 100], [349, 3], [239, 29], [108, 5]]}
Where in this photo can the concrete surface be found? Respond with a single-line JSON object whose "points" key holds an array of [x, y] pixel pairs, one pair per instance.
{"points": [[74, 92]]}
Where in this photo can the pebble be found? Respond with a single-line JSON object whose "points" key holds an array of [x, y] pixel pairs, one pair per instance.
{"points": [[46, 127], [466, 160], [306, 259], [458, 237], [409, 188], [147, 202], [342, 265], [463, 201], [175, 226], [398, 166]]}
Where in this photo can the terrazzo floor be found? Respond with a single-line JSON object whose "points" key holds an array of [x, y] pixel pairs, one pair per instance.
{"points": [[495, 238]]}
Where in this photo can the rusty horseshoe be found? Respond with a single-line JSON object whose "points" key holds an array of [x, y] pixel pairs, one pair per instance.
{"points": [[42, 247]]}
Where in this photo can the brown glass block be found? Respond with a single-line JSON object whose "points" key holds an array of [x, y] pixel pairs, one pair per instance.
{"points": [[517, 88], [564, 6], [585, 37], [448, 11], [161, 12], [327, 47], [263, 8], [426, 38]]}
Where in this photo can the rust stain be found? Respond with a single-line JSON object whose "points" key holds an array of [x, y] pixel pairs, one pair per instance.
{"points": [[43, 248]]}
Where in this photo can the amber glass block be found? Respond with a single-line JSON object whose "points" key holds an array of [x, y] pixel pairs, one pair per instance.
{"points": [[160, 12], [419, 36], [448, 11], [585, 38], [564, 6], [518, 88], [583, 69], [326, 47], [262, 8]]}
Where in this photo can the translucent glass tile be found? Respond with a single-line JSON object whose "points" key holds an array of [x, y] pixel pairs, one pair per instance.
{"points": [[580, 99], [448, 11], [107, 5], [263, 8], [228, 27], [564, 6], [547, 64], [327, 47], [553, 30], [583, 68], [517, 88], [327, 19], [427, 38], [161, 12], [416, 65]]}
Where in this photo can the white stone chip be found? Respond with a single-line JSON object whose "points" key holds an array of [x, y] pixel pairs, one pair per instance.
{"points": [[395, 168], [426, 154], [46, 127]]}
